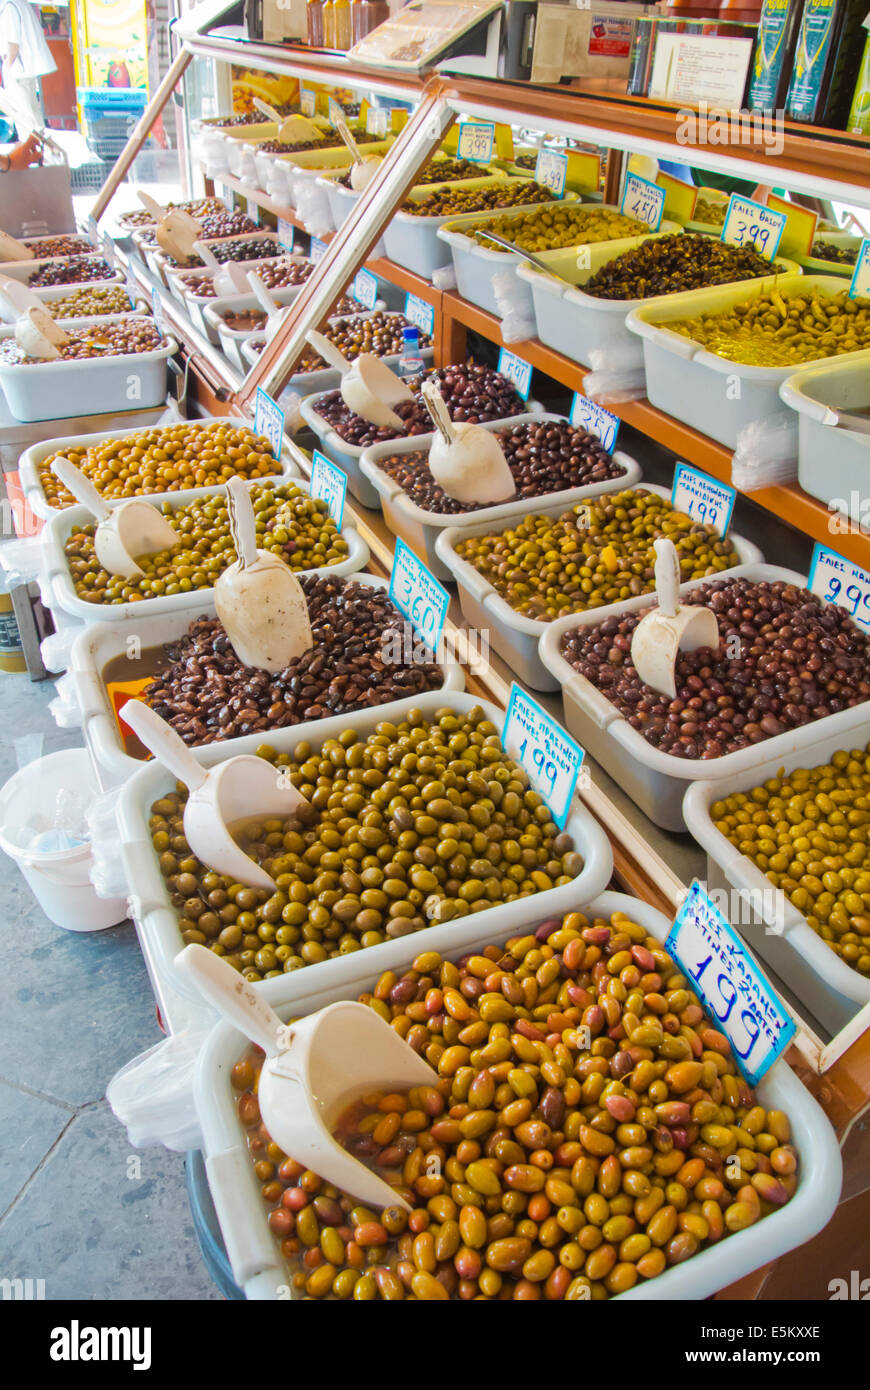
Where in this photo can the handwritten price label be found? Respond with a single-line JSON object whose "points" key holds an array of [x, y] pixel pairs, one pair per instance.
{"points": [[702, 498], [308, 102], [286, 233], [365, 288], [376, 121], [748, 223], [860, 286], [839, 581], [317, 250], [418, 312], [476, 139], [586, 415], [418, 595], [516, 371], [643, 200], [329, 484], [551, 171], [549, 755], [269, 421], [729, 982]]}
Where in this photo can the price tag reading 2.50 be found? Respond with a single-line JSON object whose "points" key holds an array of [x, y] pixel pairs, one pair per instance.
{"points": [[753, 224], [837, 580], [548, 754], [418, 595], [643, 200], [730, 984]]}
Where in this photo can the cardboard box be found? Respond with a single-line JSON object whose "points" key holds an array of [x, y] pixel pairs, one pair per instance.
{"points": [[591, 40]]}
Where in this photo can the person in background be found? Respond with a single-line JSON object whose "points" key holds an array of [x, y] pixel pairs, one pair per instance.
{"points": [[19, 156], [26, 58]]}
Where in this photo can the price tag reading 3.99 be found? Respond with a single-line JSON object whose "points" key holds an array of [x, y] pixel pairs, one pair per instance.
{"points": [[418, 595], [730, 984], [476, 139], [269, 421], [702, 498], [330, 484], [643, 200], [551, 170], [748, 223], [839, 581], [548, 754]]}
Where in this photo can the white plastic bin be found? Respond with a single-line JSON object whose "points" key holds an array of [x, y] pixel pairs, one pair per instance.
{"points": [[328, 378], [833, 464], [163, 267], [829, 988], [157, 922], [49, 296], [514, 636], [714, 395], [22, 270], [196, 304], [420, 529], [254, 1252], [817, 265], [58, 879]]}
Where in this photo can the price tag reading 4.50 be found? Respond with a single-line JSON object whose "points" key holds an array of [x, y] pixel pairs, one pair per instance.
{"points": [[860, 286], [586, 415], [476, 139], [330, 484], [702, 498], [418, 595], [839, 581], [732, 987], [517, 371], [551, 171], [548, 754], [418, 312], [365, 288], [753, 224], [643, 200], [317, 250], [269, 421]]}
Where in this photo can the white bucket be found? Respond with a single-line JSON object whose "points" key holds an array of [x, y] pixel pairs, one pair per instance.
{"points": [[58, 879]]}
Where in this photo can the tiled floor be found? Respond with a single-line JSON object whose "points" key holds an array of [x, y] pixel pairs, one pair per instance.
{"points": [[76, 1208]]}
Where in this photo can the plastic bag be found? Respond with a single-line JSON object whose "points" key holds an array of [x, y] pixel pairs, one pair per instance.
{"points": [[291, 403], [617, 374], [57, 647], [107, 872], [21, 562], [767, 453], [312, 208], [65, 705], [152, 1095], [444, 278]]}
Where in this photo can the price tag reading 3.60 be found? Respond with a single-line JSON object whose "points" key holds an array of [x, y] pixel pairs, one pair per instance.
{"points": [[550, 756], [418, 595]]}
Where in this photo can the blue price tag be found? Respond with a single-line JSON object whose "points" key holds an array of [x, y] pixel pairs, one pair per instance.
{"points": [[476, 139], [269, 421], [157, 312], [418, 595], [330, 484], [587, 415], [132, 286], [703, 499], [840, 581], [728, 981], [643, 200], [748, 223], [550, 756], [365, 288], [286, 233], [517, 371], [317, 250], [418, 312], [551, 170], [860, 286]]}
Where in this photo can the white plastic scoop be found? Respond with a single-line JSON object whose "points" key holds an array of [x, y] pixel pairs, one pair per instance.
{"points": [[846, 420], [314, 1068], [275, 312], [670, 628], [11, 249], [134, 528], [17, 297], [291, 129], [243, 788], [368, 387], [38, 335], [364, 167], [465, 460], [258, 598], [229, 279]]}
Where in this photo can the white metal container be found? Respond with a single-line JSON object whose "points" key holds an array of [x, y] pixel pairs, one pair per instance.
{"points": [[22, 270], [156, 919], [420, 529], [254, 1252], [714, 395], [100, 643], [514, 636], [54, 390], [829, 988], [833, 464]]}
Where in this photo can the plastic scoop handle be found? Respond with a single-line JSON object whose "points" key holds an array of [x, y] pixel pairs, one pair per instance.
{"points": [[206, 254], [434, 403], [81, 487], [151, 204], [242, 526], [845, 420], [162, 740], [261, 294], [667, 576], [11, 249], [268, 111], [233, 997], [328, 351], [344, 132], [18, 296]]}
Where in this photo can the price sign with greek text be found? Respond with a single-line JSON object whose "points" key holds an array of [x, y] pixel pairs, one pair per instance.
{"points": [[551, 171], [365, 288], [269, 421], [702, 498], [286, 233], [860, 286], [376, 121], [317, 250], [748, 223], [548, 754], [643, 200], [840, 581], [330, 484], [730, 984], [476, 139], [418, 595], [418, 312], [587, 415], [517, 371], [308, 102]]}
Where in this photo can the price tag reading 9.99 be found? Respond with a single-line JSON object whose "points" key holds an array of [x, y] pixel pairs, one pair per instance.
{"points": [[418, 595], [548, 754], [748, 223], [643, 200], [837, 580], [702, 498]]}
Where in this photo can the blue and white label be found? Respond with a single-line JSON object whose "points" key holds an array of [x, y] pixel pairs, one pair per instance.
{"points": [[317, 250], [93, 230], [548, 754], [286, 233], [518, 372], [269, 421], [838, 580], [308, 102], [377, 120], [418, 595], [157, 312], [108, 248], [860, 286], [734, 991], [418, 312], [643, 200], [748, 223], [702, 498], [551, 171], [365, 288], [329, 484], [132, 284], [587, 415], [225, 193], [476, 139]]}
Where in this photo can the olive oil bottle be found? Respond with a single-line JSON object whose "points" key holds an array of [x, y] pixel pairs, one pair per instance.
{"points": [[774, 54], [859, 115], [827, 59]]}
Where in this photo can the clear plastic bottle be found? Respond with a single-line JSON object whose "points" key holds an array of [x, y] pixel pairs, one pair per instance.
{"points": [[410, 362], [314, 14]]}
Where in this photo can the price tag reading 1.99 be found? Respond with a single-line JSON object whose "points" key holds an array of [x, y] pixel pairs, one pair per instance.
{"points": [[748, 223], [548, 754], [476, 139], [643, 200], [702, 498], [730, 984], [551, 170], [418, 595], [837, 580]]}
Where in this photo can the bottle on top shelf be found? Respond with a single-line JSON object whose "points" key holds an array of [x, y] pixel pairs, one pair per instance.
{"points": [[314, 14], [827, 60], [773, 56]]}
